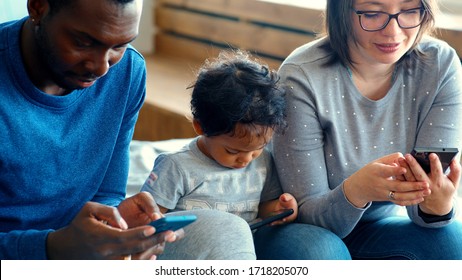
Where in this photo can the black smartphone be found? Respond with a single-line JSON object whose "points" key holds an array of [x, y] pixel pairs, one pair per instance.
{"points": [[172, 222], [271, 219], [446, 155]]}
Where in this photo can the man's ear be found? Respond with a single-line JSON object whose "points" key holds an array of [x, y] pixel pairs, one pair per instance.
{"points": [[197, 127], [37, 9]]}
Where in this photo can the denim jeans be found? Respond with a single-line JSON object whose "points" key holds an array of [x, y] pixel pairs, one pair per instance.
{"points": [[297, 241], [399, 238]]}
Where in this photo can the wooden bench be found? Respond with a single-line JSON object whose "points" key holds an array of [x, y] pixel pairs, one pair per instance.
{"points": [[190, 31]]}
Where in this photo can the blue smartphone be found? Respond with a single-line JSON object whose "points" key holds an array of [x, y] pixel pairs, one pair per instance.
{"points": [[172, 222], [271, 219], [446, 155]]}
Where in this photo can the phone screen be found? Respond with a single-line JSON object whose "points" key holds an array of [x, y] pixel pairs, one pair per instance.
{"points": [[172, 222]]}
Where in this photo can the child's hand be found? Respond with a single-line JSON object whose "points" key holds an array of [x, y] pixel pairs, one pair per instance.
{"points": [[286, 201]]}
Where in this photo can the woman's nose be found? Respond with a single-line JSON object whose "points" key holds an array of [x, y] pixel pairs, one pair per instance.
{"points": [[392, 28]]}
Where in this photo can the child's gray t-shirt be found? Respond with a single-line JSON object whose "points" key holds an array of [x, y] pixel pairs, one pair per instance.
{"points": [[187, 180]]}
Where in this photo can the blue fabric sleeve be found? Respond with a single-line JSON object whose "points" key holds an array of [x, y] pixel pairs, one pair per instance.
{"points": [[24, 245]]}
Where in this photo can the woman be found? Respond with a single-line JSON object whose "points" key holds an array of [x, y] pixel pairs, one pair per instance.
{"points": [[370, 91]]}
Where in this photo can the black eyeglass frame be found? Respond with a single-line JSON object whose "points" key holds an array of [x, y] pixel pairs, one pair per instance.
{"points": [[390, 16]]}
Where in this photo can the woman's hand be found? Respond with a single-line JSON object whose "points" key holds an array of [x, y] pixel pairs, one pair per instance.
{"points": [[377, 181], [442, 186]]}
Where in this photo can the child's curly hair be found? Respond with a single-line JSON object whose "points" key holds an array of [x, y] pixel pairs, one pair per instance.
{"points": [[236, 88]]}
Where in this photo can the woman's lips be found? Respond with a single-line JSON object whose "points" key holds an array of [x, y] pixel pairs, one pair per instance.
{"points": [[387, 48]]}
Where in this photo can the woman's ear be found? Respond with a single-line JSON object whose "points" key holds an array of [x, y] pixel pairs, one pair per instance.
{"points": [[197, 127]]}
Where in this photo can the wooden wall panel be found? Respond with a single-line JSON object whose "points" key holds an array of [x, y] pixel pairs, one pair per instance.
{"points": [[267, 30], [184, 48], [276, 14]]}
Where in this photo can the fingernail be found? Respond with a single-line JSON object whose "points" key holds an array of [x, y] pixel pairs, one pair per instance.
{"points": [[123, 224], [157, 215], [171, 237], [149, 231]]}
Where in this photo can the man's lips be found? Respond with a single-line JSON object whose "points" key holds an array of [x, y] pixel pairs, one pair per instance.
{"points": [[85, 82]]}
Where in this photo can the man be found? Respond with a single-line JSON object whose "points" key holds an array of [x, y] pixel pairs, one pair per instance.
{"points": [[72, 88], [70, 95]]}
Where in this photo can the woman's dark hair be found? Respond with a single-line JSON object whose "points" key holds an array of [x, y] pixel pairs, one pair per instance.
{"points": [[234, 88]]}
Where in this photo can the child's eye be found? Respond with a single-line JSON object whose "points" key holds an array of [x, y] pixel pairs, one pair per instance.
{"points": [[231, 152]]}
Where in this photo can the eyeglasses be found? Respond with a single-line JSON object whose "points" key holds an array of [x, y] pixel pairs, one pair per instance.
{"points": [[377, 20]]}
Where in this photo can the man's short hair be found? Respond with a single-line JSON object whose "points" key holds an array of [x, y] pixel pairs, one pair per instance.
{"points": [[57, 5]]}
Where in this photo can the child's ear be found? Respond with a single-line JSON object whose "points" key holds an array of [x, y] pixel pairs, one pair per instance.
{"points": [[197, 127]]}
